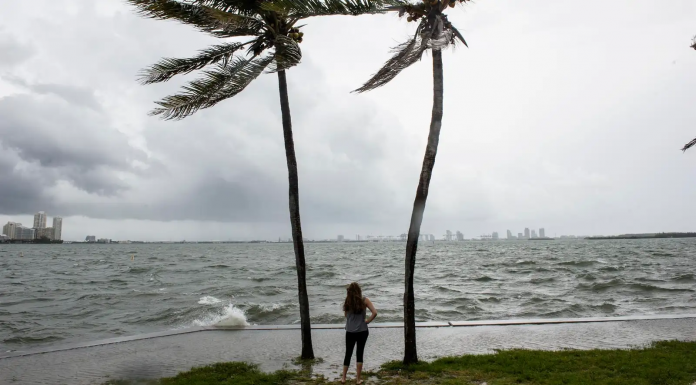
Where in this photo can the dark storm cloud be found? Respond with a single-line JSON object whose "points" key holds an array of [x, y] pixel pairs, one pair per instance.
{"points": [[57, 133], [65, 141], [21, 190], [210, 200]]}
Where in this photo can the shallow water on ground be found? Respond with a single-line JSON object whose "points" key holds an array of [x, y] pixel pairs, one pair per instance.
{"points": [[274, 350]]}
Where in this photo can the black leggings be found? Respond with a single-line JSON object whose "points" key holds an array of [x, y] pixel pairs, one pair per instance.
{"points": [[351, 339]]}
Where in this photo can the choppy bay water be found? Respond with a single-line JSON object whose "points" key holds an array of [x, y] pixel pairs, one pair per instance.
{"points": [[72, 293]]}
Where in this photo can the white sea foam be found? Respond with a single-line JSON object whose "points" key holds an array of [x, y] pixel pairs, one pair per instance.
{"points": [[233, 317], [208, 300], [229, 315], [272, 307]]}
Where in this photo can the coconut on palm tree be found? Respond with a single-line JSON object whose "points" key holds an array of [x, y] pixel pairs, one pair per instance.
{"points": [[434, 33], [271, 46]]}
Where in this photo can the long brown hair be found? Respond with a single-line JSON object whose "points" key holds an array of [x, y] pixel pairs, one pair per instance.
{"points": [[354, 299]]}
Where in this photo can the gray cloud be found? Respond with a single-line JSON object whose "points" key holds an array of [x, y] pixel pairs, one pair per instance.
{"points": [[66, 142], [21, 190], [59, 134], [76, 96], [13, 52]]}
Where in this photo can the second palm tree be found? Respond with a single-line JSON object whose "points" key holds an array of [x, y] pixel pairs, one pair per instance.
{"points": [[434, 33]]}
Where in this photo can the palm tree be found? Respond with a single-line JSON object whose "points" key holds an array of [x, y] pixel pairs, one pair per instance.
{"points": [[434, 33], [271, 29]]}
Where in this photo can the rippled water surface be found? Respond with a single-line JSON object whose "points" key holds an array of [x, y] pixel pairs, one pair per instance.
{"points": [[71, 293]]}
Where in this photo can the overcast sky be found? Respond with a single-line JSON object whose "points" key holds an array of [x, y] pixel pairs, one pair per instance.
{"points": [[562, 114]]}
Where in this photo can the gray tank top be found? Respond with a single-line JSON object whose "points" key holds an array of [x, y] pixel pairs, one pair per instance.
{"points": [[355, 323]]}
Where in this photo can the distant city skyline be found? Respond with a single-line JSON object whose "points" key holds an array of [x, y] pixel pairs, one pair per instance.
{"points": [[451, 236], [527, 234], [17, 231], [112, 234]]}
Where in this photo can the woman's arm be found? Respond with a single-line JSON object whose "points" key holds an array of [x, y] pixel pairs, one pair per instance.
{"points": [[370, 306]]}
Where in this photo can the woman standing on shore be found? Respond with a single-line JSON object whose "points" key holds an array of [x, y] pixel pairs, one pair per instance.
{"points": [[356, 326]]}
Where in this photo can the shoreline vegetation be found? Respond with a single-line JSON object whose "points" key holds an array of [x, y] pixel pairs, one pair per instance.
{"points": [[645, 236], [666, 362]]}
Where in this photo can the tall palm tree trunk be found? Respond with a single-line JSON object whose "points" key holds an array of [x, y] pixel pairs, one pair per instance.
{"points": [[410, 353], [307, 350]]}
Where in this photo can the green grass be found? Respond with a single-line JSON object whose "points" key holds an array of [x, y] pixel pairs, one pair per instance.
{"points": [[237, 373], [667, 363], [232, 373]]}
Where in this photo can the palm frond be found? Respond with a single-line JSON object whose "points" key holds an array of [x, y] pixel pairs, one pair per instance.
{"points": [[167, 68], [689, 145], [405, 55], [242, 7], [223, 82], [310, 8], [287, 54], [215, 21], [226, 5], [458, 35]]}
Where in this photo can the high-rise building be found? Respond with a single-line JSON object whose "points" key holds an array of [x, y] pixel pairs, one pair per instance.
{"points": [[495, 236], [460, 236], [526, 232], [46, 232], [432, 237], [58, 228], [534, 234], [520, 236], [448, 235], [9, 229], [542, 233], [91, 238], [340, 238], [40, 220], [509, 235], [24, 233]]}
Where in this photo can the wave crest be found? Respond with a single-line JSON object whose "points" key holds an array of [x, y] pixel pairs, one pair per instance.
{"points": [[208, 300], [229, 315]]}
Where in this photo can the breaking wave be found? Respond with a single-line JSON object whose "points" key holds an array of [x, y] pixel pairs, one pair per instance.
{"points": [[229, 315]]}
